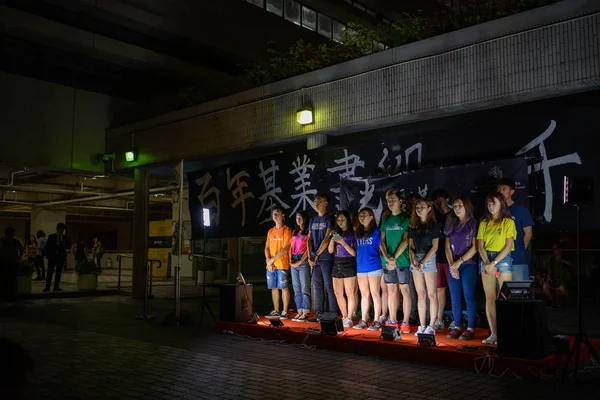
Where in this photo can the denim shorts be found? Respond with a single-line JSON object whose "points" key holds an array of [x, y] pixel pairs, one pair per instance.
{"points": [[399, 275], [504, 265], [278, 279], [377, 272], [430, 265]]}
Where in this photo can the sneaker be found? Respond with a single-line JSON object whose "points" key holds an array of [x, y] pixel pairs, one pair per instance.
{"points": [[315, 318], [420, 330], [404, 328], [429, 331], [455, 333], [451, 327], [284, 315], [468, 334], [361, 325], [302, 318], [390, 323], [272, 314], [493, 339], [297, 317], [382, 319], [438, 325], [347, 322], [374, 326]]}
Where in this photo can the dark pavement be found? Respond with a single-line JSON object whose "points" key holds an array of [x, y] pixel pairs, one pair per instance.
{"points": [[94, 348]]}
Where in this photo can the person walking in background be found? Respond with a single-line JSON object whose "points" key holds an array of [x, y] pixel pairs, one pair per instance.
{"points": [[31, 249], [56, 253], [524, 225], [461, 249], [97, 251], [496, 237], [299, 267], [319, 258], [279, 239], [39, 256], [80, 252], [440, 198]]}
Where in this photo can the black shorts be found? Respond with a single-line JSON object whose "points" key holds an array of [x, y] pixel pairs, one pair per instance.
{"points": [[399, 275], [344, 267]]}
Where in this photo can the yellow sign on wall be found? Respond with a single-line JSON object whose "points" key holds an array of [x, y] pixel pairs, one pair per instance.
{"points": [[159, 245]]}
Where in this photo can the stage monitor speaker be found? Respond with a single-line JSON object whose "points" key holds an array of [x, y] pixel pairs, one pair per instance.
{"points": [[522, 329], [390, 333], [275, 322], [577, 191], [426, 340], [330, 324], [235, 303], [516, 290]]}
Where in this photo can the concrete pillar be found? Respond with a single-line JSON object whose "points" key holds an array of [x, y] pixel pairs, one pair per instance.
{"points": [[46, 220], [140, 231]]}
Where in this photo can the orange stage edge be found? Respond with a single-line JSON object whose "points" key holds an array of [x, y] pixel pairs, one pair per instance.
{"points": [[447, 352]]}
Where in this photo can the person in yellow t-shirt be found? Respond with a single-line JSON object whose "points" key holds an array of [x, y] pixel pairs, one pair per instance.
{"points": [[277, 256], [495, 237]]}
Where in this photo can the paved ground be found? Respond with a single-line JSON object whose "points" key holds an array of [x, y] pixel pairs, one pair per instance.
{"points": [[93, 348]]}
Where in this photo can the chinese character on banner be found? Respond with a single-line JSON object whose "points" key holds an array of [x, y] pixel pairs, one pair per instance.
{"points": [[387, 168], [367, 195], [346, 168], [212, 192], [272, 191], [423, 191], [303, 193], [239, 196]]}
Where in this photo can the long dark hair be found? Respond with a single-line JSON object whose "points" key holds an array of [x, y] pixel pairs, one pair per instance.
{"points": [[41, 234], [346, 214], [452, 220], [360, 231], [303, 229], [504, 211]]}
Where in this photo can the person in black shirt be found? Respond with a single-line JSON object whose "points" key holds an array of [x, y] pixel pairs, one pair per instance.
{"points": [[424, 237], [56, 253], [441, 199]]}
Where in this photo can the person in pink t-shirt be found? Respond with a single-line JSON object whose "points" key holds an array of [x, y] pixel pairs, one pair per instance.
{"points": [[300, 268]]}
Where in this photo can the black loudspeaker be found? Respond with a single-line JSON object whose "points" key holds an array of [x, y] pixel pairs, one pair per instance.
{"points": [[516, 290], [577, 191], [235, 304], [390, 333], [426, 340], [330, 324], [522, 329]]}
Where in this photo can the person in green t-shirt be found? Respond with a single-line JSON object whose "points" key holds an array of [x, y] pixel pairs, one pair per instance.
{"points": [[395, 258]]}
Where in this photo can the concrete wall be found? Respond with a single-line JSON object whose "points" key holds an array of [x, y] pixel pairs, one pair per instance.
{"points": [[51, 125], [20, 226]]}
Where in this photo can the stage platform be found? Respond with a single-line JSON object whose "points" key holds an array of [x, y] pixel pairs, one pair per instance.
{"points": [[448, 352]]}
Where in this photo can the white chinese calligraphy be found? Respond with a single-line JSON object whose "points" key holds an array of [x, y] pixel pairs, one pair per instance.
{"points": [[423, 191], [272, 191], [367, 195], [303, 192], [387, 168], [347, 168], [239, 197], [205, 193], [546, 164]]}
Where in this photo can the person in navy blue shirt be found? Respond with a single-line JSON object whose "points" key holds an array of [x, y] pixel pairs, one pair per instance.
{"points": [[524, 224], [319, 258]]}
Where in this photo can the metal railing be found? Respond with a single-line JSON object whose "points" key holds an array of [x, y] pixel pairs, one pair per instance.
{"points": [[230, 263]]}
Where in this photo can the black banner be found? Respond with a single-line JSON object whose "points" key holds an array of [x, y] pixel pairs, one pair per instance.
{"points": [[473, 180], [553, 134]]}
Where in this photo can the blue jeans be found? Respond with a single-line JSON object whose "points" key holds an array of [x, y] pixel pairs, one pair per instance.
{"points": [[464, 286], [321, 277], [301, 284], [520, 272], [278, 279]]}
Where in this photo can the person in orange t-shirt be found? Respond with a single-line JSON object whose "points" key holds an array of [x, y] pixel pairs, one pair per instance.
{"points": [[277, 256]]}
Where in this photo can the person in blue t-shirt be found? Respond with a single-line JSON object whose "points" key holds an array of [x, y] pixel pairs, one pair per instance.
{"points": [[524, 224], [320, 260], [368, 268]]}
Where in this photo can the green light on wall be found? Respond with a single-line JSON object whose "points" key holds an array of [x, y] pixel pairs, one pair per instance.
{"points": [[130, 156]]}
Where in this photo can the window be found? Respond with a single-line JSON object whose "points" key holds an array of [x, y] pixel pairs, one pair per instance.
{"points": [[258, 3], [338, 30], [275, 7], [292, 11], [324, 26], [309, 18]]}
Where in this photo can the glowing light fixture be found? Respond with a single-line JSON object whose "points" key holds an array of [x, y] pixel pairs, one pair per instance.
{"points": [[130, 156], [304, 116]]}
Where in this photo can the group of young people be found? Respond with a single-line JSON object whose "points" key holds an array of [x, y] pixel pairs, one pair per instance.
{"points": [[425, 248]]}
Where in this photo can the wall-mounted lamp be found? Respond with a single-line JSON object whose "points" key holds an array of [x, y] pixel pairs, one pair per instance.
{"points": [[130, 156], [304, 116]]}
